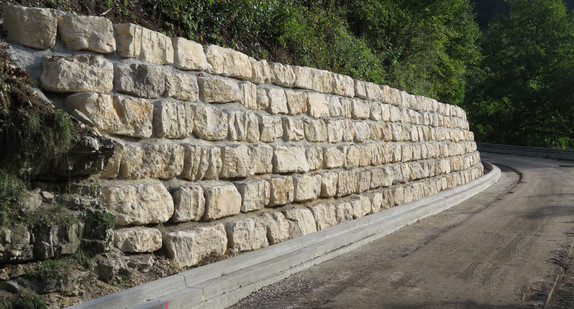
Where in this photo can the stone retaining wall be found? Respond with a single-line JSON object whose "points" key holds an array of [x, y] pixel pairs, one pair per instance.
{"points": [[219, 152]]}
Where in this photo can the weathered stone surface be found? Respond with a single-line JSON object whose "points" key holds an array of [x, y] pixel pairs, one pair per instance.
{"points": [[32, 27], [78, 73], [335, 107], [374, 92], [349, 130], [112, 168], [248, 95], [164, 161], [343, 212], [296, 101], [283, 75], [189, 55], [361, 109], [189, 247], [87, 33], [381, 177], [277, 100], [262, 159], [228, 62], [282, 190], [201, 162], [348, 183], [262, 71], [335, 130], [173, 120], [315, 130], [182, 86], [352, 156], [293, 129], [210, 123], [15, 244], [58, 240], [314, 158], [388, 199], [277, 227], [325, 215], [361, 206], [343, 85], [302, 77], [317, 105], [301, 221], [333, 157], [189, 204], [243, 126], [362, 132], [134, 41], [290, 159], [218, 90], [119, 115], [307, 187], [364, 181], [346, 107], [246, 235], [221, 200], [329, 181], [262, 98], [138, 204], [321, 81], [236, 162], [270, 127], [138, 239], [255, 194], [142, 80], [360, 90]]}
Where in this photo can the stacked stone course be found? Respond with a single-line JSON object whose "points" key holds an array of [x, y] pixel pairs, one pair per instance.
{"points": [[219, 151]]}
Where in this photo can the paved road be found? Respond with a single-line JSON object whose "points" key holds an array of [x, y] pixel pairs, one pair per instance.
{"points": [[503, 248]]}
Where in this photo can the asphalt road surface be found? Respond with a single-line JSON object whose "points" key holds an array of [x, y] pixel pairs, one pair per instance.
{"points": [[508, 247]]}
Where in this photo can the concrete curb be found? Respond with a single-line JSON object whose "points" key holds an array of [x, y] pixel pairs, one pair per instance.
{"points": [[224, 283]]}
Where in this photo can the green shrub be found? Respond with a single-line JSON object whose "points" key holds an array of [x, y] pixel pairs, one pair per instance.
{"points": [[30, 302], [11, 190]]}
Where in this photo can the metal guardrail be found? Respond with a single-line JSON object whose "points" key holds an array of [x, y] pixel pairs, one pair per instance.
{"points": [[541, 152]]}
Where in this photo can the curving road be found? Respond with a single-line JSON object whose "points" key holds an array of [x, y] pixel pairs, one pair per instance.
{"points": [[508, 247]]}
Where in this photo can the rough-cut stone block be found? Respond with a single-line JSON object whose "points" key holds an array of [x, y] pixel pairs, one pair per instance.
{"points": [[87, 33], [335, 107], [189, 247], [360, 90], [307, 187], [32, 27], [172, 120], [314, 158], [189, 55], [138, 204], [277, 227], [362, 132], [270, 127], [78, 73], [315, 130], [182, 86], [119, 115], [361, 206], [381, 177], [210, 123], [218, 90], [318, 106], [335, 130], [348, 183], [346, 107], [189, 204], [164, 161], [112, 168], [333, 157], [255, 194], [290, 159], [301, 221], [325, 215], [360, 109], [302, 77], [228, 62], [296, 101], [236, 162], [262, 98], [321, 81], [282, 190], [262, 159], [343, 212], [293, 129], [376, 111], [343, 85], [134, 41], [248, 95], [283, 75], [329, 181], [349, 129], [374, 92], [221, 200], [138, 239], [352, 156], [246, 235], [386, 92], [364, 181], [201, 162], [277, 101], [146, 81], [243, 126], [262, 71]]}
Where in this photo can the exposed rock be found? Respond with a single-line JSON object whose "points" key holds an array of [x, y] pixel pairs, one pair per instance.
{"points": [[58, 240], [15, 244], [138, 239]]}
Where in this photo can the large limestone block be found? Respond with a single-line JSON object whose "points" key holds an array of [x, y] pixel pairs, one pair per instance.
{"points": [[243, 126], [374, 92], [262, 159], [182, 86], [277, 100], [381, 177], [218, 90], [255, 194], [236, 161], [349, 130], [325, 215], [388, 199], [283, 75], [262, 71], [343, 212], [210, 123], [228, 62], [293, 129], [329, 181], [360, 90], [361, 109], [87, 32], [348, 183], [376, 154], [301, 221], [172, 120], [134, 41], [335, 107], [290, 159], [343, 85], [307, 187], [248, 95], [142, 80], [361, 206], [201, 162], [335, 130], [376, 111], [296, 101], [189, 55], [119, 115], [138, 239], [282, 190], [271, 128], [362, 132], [315, 130], [78, 73], [333, 157], [164, 161], [262, 98], [188, 247], [112, 168], [246, 235], [189, 204], [318, 106], [221, 200], [277, 227], [303, 77], [364, 182], [32, 27], [347, 107], [322, 81], [314, 158], [352, 156], [138, 204]]}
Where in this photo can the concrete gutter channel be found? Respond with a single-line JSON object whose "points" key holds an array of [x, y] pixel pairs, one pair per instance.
{"points": [[224, 283]]}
